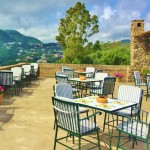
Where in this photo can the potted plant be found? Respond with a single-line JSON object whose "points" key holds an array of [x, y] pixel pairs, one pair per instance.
{"points": [[144, 72], [1, 94], [119, 76]]}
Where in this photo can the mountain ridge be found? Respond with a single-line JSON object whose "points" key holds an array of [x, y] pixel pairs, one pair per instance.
{"points": [[15, 36]]}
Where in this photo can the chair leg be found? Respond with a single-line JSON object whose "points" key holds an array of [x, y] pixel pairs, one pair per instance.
{"points": [[147, 95], [147, 144], [73, 138], [117, 120], [118, 140], [98, 138], [54, 124], [79, 143], [133, 141], [55, 137], [104, 122], [87, 114]]}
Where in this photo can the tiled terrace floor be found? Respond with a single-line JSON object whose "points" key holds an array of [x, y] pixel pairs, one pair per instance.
{"points": [[26, 121]]}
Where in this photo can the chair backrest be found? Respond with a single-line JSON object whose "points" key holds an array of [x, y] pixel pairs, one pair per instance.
{"points": [[6, 77], [63, 90], [100, 76], [17, 73], [91, 71], [108, 85], [137, 77], [66, 115], [32, 72], [61, 77], [69, 72], [27, 69], [148, 82], [98, 70], [130, 93], [36, 66], [62, 68]]}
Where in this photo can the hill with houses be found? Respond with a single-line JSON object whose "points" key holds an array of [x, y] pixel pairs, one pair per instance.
{"points": [[16, 47]]}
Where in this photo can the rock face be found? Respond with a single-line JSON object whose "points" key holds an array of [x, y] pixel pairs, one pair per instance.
{"points": [[139, 48]]}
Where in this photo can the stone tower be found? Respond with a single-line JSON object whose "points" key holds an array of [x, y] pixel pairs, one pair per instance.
{"points": [[139, 48], [137, 27]]}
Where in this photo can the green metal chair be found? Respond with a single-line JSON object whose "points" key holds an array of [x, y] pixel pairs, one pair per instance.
{"points": [[67, 117], [6, 81], [138, 80], [126, 93], [61, 77], [137, 128], [65, 90], [69, 72], [90, 72], [105, 88]]}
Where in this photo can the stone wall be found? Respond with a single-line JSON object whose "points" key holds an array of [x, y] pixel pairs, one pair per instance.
{"points": [[48, 70]]}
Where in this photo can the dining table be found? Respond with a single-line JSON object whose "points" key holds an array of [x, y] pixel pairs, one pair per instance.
{"points": [[111, 106], [83, 85]]}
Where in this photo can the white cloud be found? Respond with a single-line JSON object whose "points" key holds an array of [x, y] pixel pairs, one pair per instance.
{"points": [[147, 24], [108, 13], [43, 33], [40, 18], [96, 10], [114, 21], [7, 21]]}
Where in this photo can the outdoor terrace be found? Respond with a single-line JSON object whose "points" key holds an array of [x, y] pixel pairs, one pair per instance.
{"points": [[26, 121]]}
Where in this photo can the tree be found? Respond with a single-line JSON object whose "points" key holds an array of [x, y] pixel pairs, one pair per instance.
{"points": [[117, 56], [74, 31], [96, 46]]}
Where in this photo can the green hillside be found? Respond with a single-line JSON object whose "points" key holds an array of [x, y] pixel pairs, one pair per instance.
{"points": [[4, 37], [15, 36]]}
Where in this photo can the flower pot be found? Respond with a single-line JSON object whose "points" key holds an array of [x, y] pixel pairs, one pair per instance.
{"points": [[118, 79], [1, 97]]}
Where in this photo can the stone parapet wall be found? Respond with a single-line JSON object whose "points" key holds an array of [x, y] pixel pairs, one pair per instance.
{"points": [[49, 69], [11, 66]]}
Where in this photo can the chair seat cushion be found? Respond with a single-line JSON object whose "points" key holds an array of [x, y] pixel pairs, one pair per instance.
{"points": [[75, 90], [17, 78], [96, 91], [134, 128], [141, 84], [126, 112], [87, 126], [83, 109]]}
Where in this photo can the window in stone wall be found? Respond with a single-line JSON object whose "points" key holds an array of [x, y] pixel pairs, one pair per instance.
{"points": [[139, 25]]}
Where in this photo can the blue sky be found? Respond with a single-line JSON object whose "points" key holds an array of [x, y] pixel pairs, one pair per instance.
{"points": [[40, 18]]}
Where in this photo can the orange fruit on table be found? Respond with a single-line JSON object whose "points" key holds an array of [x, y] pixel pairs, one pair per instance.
{"points": [[82, 77], [102, 99]]}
